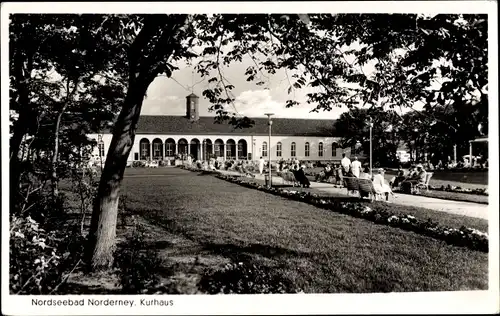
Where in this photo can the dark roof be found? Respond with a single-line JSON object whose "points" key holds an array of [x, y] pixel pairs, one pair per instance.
{"points": [[180, 125], [192, 95]]}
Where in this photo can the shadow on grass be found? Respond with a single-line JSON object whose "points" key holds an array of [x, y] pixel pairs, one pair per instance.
{"points": [[206, 173], [243, 253]]}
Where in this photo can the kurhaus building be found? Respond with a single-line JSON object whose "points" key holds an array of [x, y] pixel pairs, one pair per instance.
{"points": [[163, 137]]}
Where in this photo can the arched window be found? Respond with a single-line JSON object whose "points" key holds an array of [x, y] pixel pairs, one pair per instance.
{"points": [[264, 149], [144, 149], [320, 150], [219, 148], [334, 149], [293, 150], [242, 149], [230, 149], [157, 149], [170, 147], [278, 149], [306, 150]]}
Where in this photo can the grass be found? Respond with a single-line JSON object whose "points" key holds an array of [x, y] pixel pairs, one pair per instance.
{"points": [[199, 223]]}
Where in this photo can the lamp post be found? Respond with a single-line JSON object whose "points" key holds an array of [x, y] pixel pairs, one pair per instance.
{"points": [[269, 148], [371, 158], [416, 145]]}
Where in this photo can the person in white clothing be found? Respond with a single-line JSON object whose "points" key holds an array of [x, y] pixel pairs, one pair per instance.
{"points": [[261, 165], [345, 163], [380, 186], [356, 167]]}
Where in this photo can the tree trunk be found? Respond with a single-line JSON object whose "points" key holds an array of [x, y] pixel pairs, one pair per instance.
{"points": [[105, 211], [55, 156], [141, 73], [20, 129], [21, 72]]}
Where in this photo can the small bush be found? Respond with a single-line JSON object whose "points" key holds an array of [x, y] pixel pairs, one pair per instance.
{"points": [[246, 278], [39, 258], [138, 164]]}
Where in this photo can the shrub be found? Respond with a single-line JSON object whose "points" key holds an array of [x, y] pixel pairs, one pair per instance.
{"points": [[138, 164], [38, 259], [246, 278]]}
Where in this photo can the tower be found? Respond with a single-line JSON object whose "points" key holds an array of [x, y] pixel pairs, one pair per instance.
{"points": [[192, 112]]}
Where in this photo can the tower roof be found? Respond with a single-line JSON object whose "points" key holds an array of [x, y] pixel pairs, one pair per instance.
{"points": [[192, 95]]}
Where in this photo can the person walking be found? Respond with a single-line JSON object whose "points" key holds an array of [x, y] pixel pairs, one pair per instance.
{"points": [[345, 163], [261, 165], [356, 167]]}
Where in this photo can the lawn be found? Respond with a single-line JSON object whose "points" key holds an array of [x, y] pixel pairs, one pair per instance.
{"points": [[199, 223]]}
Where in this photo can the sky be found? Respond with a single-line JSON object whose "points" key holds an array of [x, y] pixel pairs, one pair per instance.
{"points": [[167, 96]]}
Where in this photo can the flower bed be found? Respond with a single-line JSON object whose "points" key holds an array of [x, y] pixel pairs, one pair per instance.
{"points": [[464, 236], [450, 188]]}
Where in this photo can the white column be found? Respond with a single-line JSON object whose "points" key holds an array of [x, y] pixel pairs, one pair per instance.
{"points": [[224, 149], [470, 154], [150, 150], [236, 151]]}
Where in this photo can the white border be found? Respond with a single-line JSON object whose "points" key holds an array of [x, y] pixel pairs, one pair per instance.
{"points": [[403, 303]]}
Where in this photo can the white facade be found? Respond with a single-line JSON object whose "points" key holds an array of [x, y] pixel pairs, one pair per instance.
{"points": [[200, 145]]}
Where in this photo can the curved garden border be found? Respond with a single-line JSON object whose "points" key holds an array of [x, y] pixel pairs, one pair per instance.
{"points": [[464, 236]]}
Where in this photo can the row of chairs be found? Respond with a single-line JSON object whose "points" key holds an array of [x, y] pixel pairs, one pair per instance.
{"points": [[361, 187]]}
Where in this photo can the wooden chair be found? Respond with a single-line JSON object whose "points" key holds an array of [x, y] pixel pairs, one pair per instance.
{"points": [[289, 177], [366, 187], [351, 184], [425, 185]]}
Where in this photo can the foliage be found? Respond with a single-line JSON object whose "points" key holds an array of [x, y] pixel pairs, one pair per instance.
{"points": [[39, 259], [354, 127], [59, 93], [246, 278]]}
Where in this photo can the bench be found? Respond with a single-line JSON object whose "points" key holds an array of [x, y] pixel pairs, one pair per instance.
{"points": [[366, 188], [352, 185], [363, 187]]}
